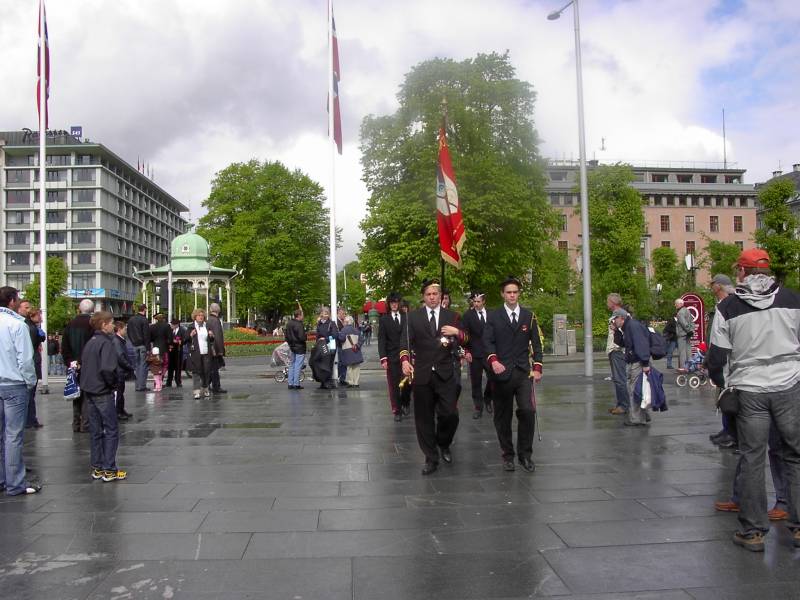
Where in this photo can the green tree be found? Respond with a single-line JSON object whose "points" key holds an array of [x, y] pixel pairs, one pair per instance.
{"points": [[616, 226], [778, 233], [350, 289], [719, 257], [269, 222], [669, 272], [498, 171], [60, 309]]}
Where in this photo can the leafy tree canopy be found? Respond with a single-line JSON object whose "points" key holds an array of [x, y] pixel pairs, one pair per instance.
{"points": [[778, 234], [718, 258], [60, 308], [349, 288], [271, 223], [509, 224]]}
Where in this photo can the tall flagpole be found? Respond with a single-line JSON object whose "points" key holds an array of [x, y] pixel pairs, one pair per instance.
{"points": [[43, 74], [332, 144]]}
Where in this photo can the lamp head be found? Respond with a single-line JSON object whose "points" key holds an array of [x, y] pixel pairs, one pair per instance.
{"points": [[554, 15]]}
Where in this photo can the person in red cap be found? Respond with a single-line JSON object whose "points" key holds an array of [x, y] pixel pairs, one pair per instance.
{"points": [[755, 330]]}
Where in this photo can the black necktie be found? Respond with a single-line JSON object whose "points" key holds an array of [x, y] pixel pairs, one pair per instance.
{"points": [[513, 319], [396, 320], [483, 321], [433, 322]]}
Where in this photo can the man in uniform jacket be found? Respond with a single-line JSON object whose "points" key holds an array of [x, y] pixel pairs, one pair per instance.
{"points": [[391, 329], [217, 358], [76, 333], [175, 353], [139, 337], [512, 338], [434, 334], [474, 323]]}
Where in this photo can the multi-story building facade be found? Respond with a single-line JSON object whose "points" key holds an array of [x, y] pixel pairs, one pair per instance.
{"points": [[104, 218], [684, 205]]}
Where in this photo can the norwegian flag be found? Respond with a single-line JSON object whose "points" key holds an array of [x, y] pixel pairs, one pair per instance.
{"points": [[448, 210], [42, 19], [336, 74]]}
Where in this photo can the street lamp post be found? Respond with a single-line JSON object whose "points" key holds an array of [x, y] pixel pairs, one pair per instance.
{"points": [[585, 262]]}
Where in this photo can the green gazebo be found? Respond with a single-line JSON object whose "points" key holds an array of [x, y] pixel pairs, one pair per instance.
{"points": [[189, 262]]}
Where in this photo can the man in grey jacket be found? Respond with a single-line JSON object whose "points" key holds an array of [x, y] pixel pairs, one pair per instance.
{"points": [[217, 360], [684, 329]]}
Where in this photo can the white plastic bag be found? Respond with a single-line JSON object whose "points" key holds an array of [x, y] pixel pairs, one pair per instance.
{"points": [[646, 395]]}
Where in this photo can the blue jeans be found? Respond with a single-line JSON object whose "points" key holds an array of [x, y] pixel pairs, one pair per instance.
{"points": [[13, 409], [620, 378], [295, 365], [671, 345], [140, 369], [104, 430], [758, 412]]}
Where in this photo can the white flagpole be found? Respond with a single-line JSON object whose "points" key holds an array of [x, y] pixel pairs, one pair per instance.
{"points": [[43, 67], [332, 144]]}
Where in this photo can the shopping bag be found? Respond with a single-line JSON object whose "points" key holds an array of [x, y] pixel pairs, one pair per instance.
{"points": [[646, 394], [72, 390]]}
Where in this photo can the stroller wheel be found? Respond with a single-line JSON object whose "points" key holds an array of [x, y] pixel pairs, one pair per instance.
{"points": [[681, 379], [280, 376], [694, 382]]}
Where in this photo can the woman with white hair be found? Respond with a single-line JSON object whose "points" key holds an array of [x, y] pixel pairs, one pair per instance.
{"points": [[351, 355]]}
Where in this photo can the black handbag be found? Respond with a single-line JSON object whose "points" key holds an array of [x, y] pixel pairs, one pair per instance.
{"points": [[728, 401]]}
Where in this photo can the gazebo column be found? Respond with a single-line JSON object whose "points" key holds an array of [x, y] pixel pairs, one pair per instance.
{"points": [[228, 302], [207, 286], [194, 288], [169, 294]]}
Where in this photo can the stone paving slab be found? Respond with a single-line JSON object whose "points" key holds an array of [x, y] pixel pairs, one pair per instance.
{"points": [[271, 493]]}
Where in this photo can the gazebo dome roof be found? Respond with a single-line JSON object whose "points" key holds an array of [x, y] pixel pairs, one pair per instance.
{"points": [[191, 246]]}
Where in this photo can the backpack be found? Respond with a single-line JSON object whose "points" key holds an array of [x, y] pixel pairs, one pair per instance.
{"points": [[658, 345]]}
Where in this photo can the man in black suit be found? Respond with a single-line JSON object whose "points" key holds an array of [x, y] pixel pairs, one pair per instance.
{"points": [[391, 328], [511, 339], [474, 324], [434, 334]]}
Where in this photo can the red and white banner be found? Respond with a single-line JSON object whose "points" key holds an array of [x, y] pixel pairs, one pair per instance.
{"points": [[448, 209], [39, 103]]}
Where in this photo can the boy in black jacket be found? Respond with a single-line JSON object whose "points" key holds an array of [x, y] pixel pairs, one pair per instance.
{"points": [[124, 369], [99, 363]]}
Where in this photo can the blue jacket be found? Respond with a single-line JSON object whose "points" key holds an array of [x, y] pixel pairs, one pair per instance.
{"points": [[637, 342], [658, 399]]}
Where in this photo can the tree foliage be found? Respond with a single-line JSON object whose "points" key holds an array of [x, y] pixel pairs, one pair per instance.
{"points": [[778, 234], [616, 227], [509, 225], [60, 308], [269, 222], [350, 289], [718, 257]]}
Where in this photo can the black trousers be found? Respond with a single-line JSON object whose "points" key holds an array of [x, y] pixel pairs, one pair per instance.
{"points": [[435, 414], [480, 396], [214, 382], [518, 388], [175, 365], [119, 396], [397, 398]]}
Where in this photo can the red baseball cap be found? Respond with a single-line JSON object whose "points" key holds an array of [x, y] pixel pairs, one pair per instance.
{"points": [[754, 258]]}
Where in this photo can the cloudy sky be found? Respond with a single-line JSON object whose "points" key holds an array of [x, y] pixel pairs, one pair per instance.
{"points": [[194, 85]]}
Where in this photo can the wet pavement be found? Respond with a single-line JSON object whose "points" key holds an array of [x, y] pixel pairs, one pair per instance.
{"points": [[312, 494]]}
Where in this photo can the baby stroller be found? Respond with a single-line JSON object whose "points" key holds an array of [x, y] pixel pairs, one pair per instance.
{"points": [[694, 373], [280, 358]]}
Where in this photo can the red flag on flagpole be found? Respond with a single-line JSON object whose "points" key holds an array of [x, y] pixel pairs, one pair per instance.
{"points": [[448, 209], [39, 66], [336, 74]]}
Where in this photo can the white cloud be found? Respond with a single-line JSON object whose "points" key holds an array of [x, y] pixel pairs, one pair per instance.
{"points": [[195, 85]]}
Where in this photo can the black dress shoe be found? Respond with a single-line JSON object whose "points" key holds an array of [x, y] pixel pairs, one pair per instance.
{"points": [[405, 409], [724, 440], [715, 436], [291, 387], [728, 444], [121, 417], [508, 465], [219, 391], [429, 468], [527, 464], [398, 417], [299, 387], [178, 385], [477, 414], [489, 408], [446, 456]]}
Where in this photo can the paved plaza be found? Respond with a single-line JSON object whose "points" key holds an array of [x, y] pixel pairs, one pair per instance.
{"points": [[312, 494]]}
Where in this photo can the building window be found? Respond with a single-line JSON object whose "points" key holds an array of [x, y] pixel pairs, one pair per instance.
{"points": [[666, 244], [664, 222], [15, 259], [737, 223], [19, 282], [18, 238], [708, 179], [563, 219], [733, 179], [689, 223], [18, 217], [84, 159], [56, 237], [83, 196], [713, 224], [83, 216], [658, 177], [563, 245], [558, 175], [83, 175], [83, 258], [684, 178], [57, 159], [82, 281], [18, 197], [56, 175], [739, 245], [56, 216], [18, 176], [690, 247], [83, 237]]}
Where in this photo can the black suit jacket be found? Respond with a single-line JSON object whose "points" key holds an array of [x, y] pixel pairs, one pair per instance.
{"points": [[389, 336], [513, 346], [475, 331], [429, 354]]}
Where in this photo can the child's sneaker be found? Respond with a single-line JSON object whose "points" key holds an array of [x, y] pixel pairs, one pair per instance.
{"points": [[97, 473], [114, 475]]}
